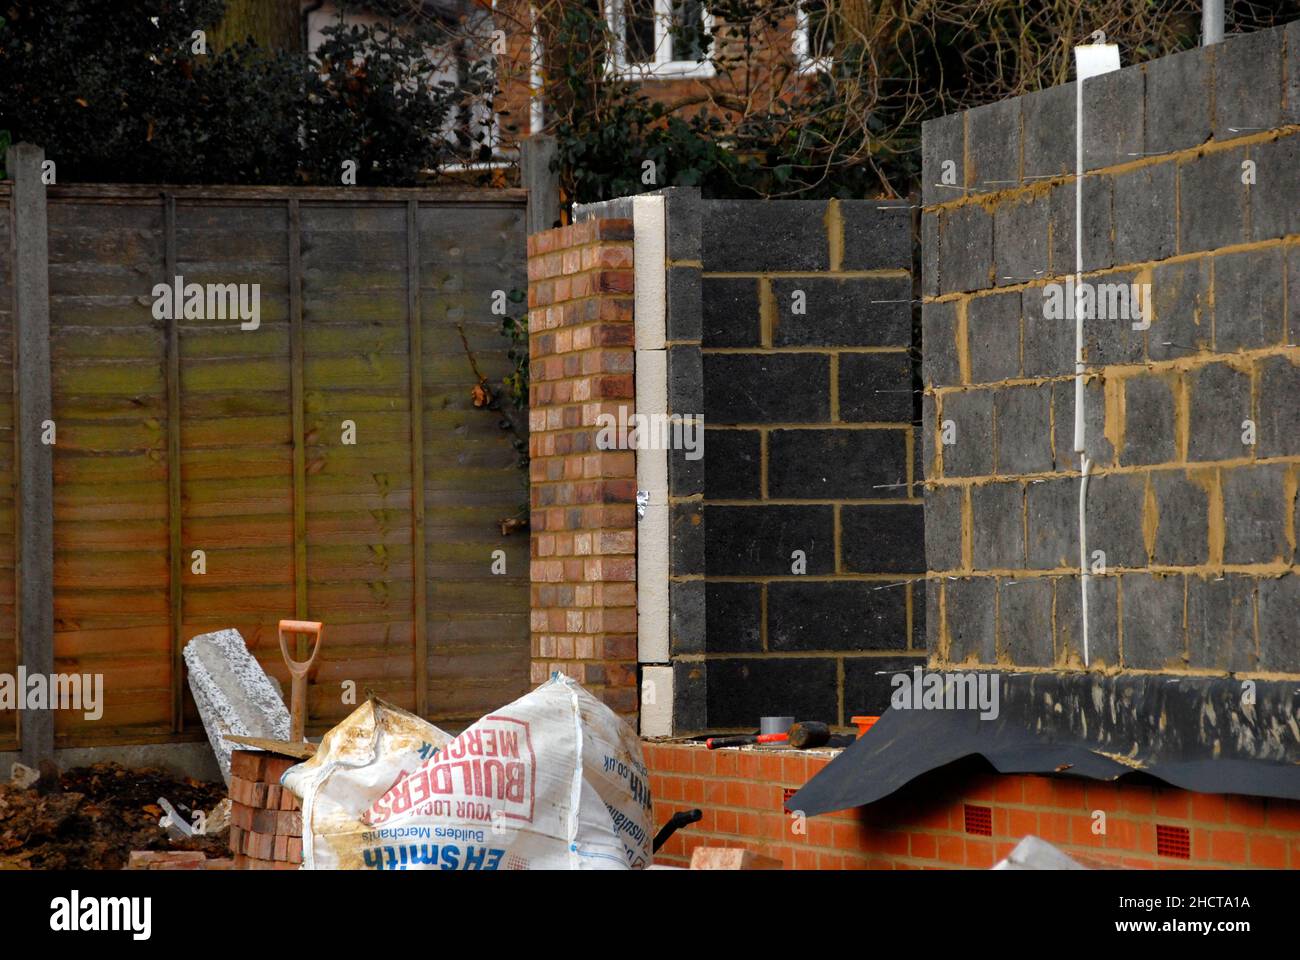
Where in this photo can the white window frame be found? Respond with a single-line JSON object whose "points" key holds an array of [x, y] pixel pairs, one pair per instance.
{"points": [[804, 62], [664, 66]]}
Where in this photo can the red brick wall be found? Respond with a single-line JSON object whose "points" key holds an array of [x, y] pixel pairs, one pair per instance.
{"points": [[583, 499], [923, 826]]}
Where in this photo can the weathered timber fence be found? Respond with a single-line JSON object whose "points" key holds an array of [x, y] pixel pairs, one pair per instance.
{"points": [[174, 436]]}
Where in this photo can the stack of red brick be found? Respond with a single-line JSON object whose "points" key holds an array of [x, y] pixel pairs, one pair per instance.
{"points": [[265, 819]]}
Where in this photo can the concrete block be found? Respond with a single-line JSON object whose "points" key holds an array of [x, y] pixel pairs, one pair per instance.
{"points": [[1182, 512], [766, 388], [1145, 210], [933, 626], [1048, 118], [685, 380], [836, 464], [1178, 101], [1115, 509], [1103, 621], [793, 232], [993, 146], [920, 611], [741, 453], [1274, 211], [806, 615], [943, 140], [684, 304], [1293, 296], [1221, 623], [1277, 433], [1053, 524], [233, 693], [1247, 84], [1219, 401], [731, 312], [683, 215], [734, 617], [1113, 130], [1255, 511], [1024, 429], [831, 312], [997, 527], [748, 541], [943, 526], [687, 616], [929, 254], [883, 538], [1248, 301], [1098, 249], [966, 249], [939, 365], [971, 619], [868, 681], [876, 388], [1279, 612], [877, 234], [1099, 449], [971, 452], [1149, 420], [741, 690], [1020, 237], [1048, 343], [686, 476], [687, 543], [1291, 73], [690, 697], [1025, 621], [1212, 201], [925, 443], [1181, 320], [993, 333], [1108, 335], [1154, 631]]}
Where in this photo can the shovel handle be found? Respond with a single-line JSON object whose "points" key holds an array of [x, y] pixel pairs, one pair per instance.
{"points": [[310, 627], [298, 673]]}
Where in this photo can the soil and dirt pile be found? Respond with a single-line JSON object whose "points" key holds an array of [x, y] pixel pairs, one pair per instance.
{"points": [[91, 818]]}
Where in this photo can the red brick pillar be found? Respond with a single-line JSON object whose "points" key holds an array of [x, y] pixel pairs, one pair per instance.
{"points": [[583, 516]]}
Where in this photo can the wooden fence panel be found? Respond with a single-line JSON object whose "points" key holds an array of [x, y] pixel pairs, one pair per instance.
{"points": [[110, 466], [474, 661], [196, 435]]}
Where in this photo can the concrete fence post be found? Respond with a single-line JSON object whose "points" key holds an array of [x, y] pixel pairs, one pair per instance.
{"points": [[35, 480]]}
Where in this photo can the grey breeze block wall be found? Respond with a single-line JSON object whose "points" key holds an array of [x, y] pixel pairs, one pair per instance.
{"points": [[1197, 522], [790, 326]]}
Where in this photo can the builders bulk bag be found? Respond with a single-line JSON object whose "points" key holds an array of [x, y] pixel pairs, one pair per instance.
{"points": [[376, 746], [554, 780]]}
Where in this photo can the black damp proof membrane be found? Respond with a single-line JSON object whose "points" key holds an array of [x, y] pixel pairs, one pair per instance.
{"points": [[1208, 735]]}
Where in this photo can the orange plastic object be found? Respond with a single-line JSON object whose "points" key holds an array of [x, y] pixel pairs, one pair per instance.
{"points": [[864, 723]]}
